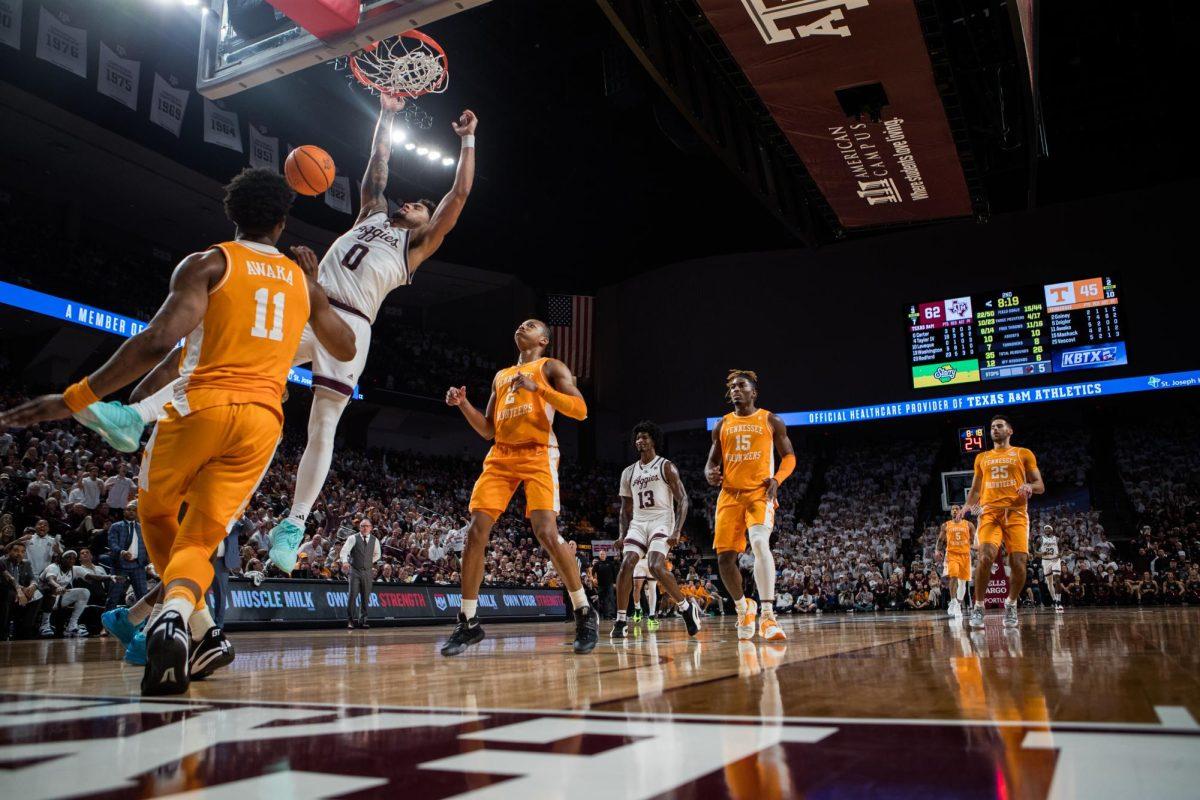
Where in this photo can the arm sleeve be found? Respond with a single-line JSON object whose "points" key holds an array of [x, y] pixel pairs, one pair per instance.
{"points": [[574, 407], [786, 465]]}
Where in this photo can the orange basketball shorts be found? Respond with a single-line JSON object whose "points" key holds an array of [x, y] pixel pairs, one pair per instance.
{"points": [[958, 565], [737, 512], [213, 460], [509, 466], [1007, 526]]}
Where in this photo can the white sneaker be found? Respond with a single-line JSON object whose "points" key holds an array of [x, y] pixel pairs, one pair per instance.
{"points": [[746, 622], [954, 609], [46, 632], [70, 632], [769, 629]]}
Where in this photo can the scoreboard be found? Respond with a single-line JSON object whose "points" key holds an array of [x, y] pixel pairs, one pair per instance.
{"points": [[970, 440], [1029, 330]]}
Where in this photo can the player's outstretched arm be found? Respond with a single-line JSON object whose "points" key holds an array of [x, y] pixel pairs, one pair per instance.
{"points": [[178, 316], [445, 216], [482, 423], [712, 468], [331, 330], [682, 503], [374, 182]]}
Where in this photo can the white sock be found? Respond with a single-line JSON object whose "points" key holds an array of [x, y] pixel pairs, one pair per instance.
{"points": [[469, 606], [300, 511], [682, 605], [45, 620], [314, 464], [740, 605], [578, 598], [155, 613], [651, 598], [180, 605], [151, 408], [1008, 601], [960, 591], [622, 616], [201, 623], [764, 561], [766, 608]]}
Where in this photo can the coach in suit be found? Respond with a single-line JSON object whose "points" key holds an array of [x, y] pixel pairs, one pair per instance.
{"points": [[360, 552], [227, 559], [128, 554]]}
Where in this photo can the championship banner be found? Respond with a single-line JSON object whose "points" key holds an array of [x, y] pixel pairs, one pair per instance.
{"points": [[316, 601], [997, 588], [10, 23], [337, 196], [1163, 381], [264, 150], [818, 65], [98, 319], [221, 127], [61, 44], [118, 77], [167, 105]]}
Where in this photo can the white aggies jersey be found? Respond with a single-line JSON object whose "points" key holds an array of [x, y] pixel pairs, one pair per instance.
{"points": [[1049, 548], [365, 264], [646, 485]]}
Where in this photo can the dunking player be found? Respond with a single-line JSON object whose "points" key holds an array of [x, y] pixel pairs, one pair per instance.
{"points": [[1005, 478], [242, 306], [520, 418], [956, 536], [650, 525], [380, 253], [742, 463], [1051, 555]]}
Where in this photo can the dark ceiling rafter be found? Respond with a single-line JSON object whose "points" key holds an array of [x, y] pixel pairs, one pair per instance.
{"points": [[677, 46]]}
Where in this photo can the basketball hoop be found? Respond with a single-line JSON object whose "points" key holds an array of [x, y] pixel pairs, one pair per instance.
{"points": [[407, 65]]}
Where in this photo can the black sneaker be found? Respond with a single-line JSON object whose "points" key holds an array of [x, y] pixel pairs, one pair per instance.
{"points": [[587, 629], [167, 646], [465, 634], [691, 618], [210, 654], [618, 629]]}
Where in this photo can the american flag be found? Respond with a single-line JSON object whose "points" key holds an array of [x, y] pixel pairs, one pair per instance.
{"points": [[570, 319]]}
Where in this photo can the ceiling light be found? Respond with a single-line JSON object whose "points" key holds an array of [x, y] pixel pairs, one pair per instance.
{"points": [[434, 155], [399, 135], [410, 146], [447, 161], [422, 151]]}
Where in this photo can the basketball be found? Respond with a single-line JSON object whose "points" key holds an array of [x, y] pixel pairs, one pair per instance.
{"points": [[309, 170]]}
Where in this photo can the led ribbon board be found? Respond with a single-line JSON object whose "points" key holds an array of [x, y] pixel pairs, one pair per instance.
{"points": [[98, 319]]}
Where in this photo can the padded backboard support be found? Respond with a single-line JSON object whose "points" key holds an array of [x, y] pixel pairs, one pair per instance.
{"points": [[231, 62]]}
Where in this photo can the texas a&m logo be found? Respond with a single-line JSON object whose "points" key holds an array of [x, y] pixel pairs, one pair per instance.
{"points": [[799, 19]]}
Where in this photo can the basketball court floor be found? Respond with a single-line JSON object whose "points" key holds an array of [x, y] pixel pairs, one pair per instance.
{"points": [[1089, 704]]}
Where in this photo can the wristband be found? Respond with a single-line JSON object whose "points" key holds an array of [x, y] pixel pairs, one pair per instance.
{"points": [[79, 396], [468, 140]]}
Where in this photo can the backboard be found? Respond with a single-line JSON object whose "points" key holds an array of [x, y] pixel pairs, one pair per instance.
{"points": [[231, 62]]}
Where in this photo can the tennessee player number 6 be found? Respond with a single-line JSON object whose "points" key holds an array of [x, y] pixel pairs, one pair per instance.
{"points": [[260, 316]]}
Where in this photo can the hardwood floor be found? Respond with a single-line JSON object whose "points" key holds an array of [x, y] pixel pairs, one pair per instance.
{"points": [[1073, 705]]}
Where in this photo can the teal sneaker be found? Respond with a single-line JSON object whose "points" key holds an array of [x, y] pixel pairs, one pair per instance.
{"points": [[285, 541], [117, 623], [117, 424], [135, 653]]}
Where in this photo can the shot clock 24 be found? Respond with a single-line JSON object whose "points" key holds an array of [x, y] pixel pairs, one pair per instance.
{"points": [[1022, 331]]}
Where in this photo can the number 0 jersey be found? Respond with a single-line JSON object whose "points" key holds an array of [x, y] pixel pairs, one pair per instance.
{"points": [[747, 450], [646, 485], [241, 351], [1000, 473], [365, 264]]}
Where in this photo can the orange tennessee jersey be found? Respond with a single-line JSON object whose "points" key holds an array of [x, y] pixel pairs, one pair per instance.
{"points": [[999, 473], [522, 416], [747, 450], [241, 351], [958, 537]]}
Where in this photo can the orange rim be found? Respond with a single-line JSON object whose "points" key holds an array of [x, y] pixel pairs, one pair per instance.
{"points": [[365, 80]]}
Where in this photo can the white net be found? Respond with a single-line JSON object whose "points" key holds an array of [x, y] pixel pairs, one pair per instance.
{"points": [[401, 66]]}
